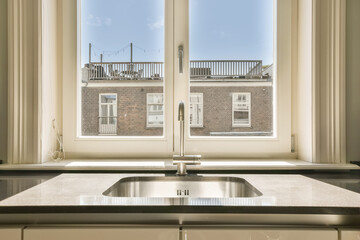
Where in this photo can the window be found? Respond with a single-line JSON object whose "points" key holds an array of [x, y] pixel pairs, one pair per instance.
{"points": [[155, 110], [107, 114], [125, 57], [241, 109], [232, 52], [196, 110], [217, 62]]}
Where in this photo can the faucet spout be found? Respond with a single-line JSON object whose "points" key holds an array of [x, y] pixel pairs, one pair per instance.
{"points": [[182, 160], [181, 118], [181, 113]]}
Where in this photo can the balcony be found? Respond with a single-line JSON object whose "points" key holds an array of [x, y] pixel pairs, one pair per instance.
{"points": [[199, 70], [108, 125], [124, 71]]}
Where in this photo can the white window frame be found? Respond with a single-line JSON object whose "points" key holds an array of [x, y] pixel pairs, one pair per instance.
{"points": [[108, 113], [248, 102], [278, 145], [78, 146], [166, 145], [148, 124], [201, 106]]}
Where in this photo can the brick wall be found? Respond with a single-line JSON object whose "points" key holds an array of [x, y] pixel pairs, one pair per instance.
{"points": [[131, 110], [218, 110]]}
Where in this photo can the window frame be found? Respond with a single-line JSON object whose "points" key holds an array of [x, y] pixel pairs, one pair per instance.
{"points": [[248, 96], [78, 146], [278, 145], [164, 146]]}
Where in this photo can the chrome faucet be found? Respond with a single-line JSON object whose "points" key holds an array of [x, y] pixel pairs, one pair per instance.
{"points": [[182, 160], [181, 119]]}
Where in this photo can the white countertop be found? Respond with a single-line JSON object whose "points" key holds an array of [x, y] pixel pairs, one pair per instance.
{"points": [[277, 190]]}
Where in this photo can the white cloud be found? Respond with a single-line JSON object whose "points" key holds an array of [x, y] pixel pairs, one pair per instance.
{"points": [[156, 25], [96, 21], [93, 21], [107, 21]]}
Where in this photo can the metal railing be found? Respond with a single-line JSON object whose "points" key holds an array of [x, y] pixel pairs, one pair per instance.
{"points": [[155, 70], [226, 68], [126, 71], [108, 125]]}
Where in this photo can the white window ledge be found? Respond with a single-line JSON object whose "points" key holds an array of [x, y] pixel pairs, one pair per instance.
{"points": [[166, 164]]}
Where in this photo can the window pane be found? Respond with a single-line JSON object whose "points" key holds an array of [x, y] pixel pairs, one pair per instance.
{"points": [[122, 60], [241, 117], [104, 111], [108, 98], [231, 65]]}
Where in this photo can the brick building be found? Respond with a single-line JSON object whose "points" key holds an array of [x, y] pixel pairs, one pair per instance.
{"points": [[127, 99]]}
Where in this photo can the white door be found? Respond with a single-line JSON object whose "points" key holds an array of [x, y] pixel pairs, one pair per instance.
{"points": [[107, 114]]}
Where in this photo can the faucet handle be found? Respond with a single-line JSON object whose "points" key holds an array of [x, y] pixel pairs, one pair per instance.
{"points": [[187, 159], [182, 161]]}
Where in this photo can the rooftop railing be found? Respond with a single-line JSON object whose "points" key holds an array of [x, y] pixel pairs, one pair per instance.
{"points": [[126, 71], [155, 70], [226, 69]]}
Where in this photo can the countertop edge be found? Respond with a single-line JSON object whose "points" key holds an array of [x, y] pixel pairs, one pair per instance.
{"points": [[181, 209], [183, 219]]}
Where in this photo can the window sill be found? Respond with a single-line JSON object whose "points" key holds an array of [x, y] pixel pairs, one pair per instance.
{"points": [[166, 165], [241, 126]]}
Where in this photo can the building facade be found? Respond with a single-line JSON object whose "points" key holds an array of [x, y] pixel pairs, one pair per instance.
{"points": [[128, 103]]}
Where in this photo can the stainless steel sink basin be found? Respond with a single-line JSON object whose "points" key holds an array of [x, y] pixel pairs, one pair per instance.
{"points": [[183, 186]]}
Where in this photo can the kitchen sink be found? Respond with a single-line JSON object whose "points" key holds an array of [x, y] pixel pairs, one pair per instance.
{"points": [[183, 186]]}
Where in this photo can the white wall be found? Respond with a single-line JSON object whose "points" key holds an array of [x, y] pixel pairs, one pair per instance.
{"points": [[3, 79], [353, 80], [303, 86], [51, 86]]}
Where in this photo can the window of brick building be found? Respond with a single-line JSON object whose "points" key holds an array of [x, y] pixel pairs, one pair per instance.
{"points": [[107, 114], [155, 110], [241, 109], [196, 110]]}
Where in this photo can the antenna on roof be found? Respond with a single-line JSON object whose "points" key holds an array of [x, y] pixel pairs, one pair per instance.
{"points": [[131, 52], [89, 54]]}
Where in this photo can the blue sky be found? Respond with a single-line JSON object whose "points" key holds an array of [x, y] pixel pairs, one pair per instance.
{"points": [[219, 29]]}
